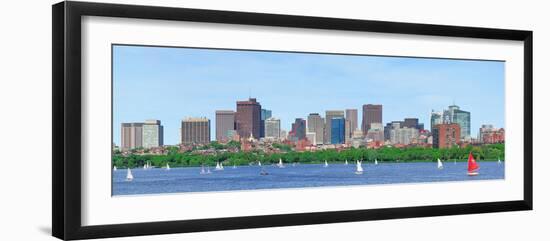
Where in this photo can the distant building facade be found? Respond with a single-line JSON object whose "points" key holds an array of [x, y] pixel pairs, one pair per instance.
{"points": [[248, 118], [351, 117], [376, 132], [298, 131], [490, 135], [337, 130], [225, 123], [404, 135], [131, 136], [436, 118], [329, 115], [413, 123], [153, 134], [446, 135], [371, 114], [264, 115], [453, 115], [316, 123], [195, 131], [461, 118], [273, 128], [311, 137]]}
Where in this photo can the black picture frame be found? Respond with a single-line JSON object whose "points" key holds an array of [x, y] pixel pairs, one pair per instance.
{"points": [[67, 135]]}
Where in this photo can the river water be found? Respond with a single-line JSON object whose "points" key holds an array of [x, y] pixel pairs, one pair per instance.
{"points": [[189, 179]]}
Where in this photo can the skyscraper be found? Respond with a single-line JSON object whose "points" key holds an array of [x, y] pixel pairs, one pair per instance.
{"points": [[131, 136], [351, 116], [315, 123], [330, 114], [337, 130], [248, 118], [225, 122], [264, 115], [299, 129], [347, 128], [436, 118], [453, 115], [153, 134], [371, 114], [273, 128], [411, 123], [462, 118], [195, 131], [351, 123]]}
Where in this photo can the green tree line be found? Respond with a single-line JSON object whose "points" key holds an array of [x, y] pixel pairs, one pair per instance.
{"points": [[385, 154]]}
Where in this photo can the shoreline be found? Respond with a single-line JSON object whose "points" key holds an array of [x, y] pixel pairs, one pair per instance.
{"points": [[229, 165]]}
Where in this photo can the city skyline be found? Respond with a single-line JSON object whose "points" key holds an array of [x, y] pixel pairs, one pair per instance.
{"points": [[171, 84]]}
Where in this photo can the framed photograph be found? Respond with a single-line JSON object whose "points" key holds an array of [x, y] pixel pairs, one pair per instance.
{"points": [[170, 120]]}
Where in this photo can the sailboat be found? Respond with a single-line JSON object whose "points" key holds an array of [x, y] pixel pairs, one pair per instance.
{"points": [[234, 166], [219, 166], [202, 170], [208, 170], [359, 170], [346, 162], [375, 162], [167, 166], [129, 176], [439, 164], [280, 164], [455, 161], [499, 162], [114, 168], [326, 163], [472, 166], [145, 166], [259, 163]]}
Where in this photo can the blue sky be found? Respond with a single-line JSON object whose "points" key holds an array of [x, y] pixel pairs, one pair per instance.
{"points": [[170, 84]]}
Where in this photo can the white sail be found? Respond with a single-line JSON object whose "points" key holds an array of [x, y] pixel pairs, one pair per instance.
{"points": [[259, 163], [129, 176], [167, 166], [375, 162], [326, 163], [114, 168], [346, 162], [219, 166], [499, 162], [439, 164], [359, 168], [208, 170], [280, 164], [234, 166], [202, 170]]}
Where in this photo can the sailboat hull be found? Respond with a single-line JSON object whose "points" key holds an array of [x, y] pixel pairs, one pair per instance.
{"points": [[473, 173]]}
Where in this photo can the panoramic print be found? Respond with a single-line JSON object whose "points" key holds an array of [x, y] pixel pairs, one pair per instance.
{"points": [[210, 120]]}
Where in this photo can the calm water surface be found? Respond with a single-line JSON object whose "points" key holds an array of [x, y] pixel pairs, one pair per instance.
{"points": [[189, 179]]}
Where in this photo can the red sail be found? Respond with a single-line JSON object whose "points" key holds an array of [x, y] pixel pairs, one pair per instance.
{"points": [[472, 165]]}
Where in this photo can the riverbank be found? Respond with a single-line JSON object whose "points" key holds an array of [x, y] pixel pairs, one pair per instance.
{"points": [[229, 164]]}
